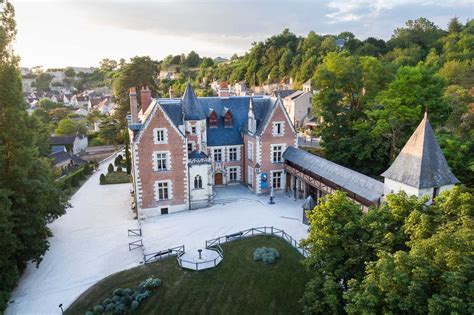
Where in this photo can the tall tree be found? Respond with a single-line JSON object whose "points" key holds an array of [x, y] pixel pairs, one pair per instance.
{"points": [[29, 196], [140, 71]]}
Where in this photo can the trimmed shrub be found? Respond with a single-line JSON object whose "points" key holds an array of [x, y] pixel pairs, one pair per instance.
{"points": [[119, 169], [266, 255], [98, 309], [89, 313], [110, 307], [81, 175], [118, 160], [117, 292], [127, 292], [102, 179], [107, 302], [150, 283], [120, 308], [110, 169], [116, 298], [135, 305]]}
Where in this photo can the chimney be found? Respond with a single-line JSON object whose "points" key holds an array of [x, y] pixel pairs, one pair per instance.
{"points": [[145, 97], [171, 92], [133, 105]]}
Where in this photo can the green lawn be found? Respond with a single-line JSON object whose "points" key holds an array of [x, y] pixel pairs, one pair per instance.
{"points": [[238, 285]]}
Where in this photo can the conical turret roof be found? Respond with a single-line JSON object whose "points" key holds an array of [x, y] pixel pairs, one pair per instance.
{"points": [[191, 107], [421, 163]]}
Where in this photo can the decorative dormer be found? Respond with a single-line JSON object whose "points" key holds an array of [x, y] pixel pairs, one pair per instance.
{"points": [[252, 124], [228, 119], [213, 119]]}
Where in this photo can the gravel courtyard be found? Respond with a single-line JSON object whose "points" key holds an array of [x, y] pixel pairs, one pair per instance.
{"points": [[90, 242]]}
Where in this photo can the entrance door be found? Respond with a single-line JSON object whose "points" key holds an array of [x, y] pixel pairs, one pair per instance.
{"points": [[218, 179]]}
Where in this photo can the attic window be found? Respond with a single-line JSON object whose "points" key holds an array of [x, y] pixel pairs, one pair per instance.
{"points": [[213, 120], [228, 120]]}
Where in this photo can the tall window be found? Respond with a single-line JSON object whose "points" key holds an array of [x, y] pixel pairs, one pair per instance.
{"points": [[160, 135], [276, 181], [250, 151], [233, 174], [217, 155], [197, 182], [161, 161], [190, 147], [251, 125], [193, 130], [163, 191], [277, 154], [250, 176], [228, 119], [232, 154], [213, 120]]}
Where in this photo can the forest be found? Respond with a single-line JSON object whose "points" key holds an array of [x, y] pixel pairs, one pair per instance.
{"points": [[369, 94]]}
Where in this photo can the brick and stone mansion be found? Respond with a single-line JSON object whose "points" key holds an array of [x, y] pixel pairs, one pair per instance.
{"points": [[183, 147]]}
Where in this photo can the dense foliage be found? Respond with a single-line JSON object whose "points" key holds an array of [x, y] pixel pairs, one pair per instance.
{"points": [[404, 257], [29, 196]]}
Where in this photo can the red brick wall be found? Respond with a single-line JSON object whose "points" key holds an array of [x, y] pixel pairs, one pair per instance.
{"points": [[146, 173], [268, 139]]}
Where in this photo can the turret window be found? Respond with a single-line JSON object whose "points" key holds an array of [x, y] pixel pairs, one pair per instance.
{"points": [[197, 182]]}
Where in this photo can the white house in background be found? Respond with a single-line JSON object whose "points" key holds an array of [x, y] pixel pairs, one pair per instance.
{"points": [[420, 168], [307, 86], [298, 105], [81, 111], [80, 101], [240, 88], [77, 143], [87, 70]]}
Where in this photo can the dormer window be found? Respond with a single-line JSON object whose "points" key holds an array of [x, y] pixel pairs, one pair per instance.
{"points": [[213, 120], [228, 120]]}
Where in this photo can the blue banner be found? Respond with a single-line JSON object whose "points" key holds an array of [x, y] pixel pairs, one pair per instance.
{"points": [[263, 179]]}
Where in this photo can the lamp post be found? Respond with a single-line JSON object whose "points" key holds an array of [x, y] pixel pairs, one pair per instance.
{"points": [[199, 251], [271, 197], [61, 307]]}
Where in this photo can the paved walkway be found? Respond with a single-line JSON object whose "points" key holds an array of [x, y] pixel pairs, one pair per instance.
{"points": [[90, 242]]}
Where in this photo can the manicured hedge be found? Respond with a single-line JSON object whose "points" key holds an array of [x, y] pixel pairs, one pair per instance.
{"points": [[115, 178]]}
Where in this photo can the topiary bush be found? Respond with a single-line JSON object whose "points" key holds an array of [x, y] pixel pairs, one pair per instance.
{"points": [[75, 181], [110, 168], [98, 309], [266, 255], [102, 179], [124, 300], [118, 160], [119, 169]]}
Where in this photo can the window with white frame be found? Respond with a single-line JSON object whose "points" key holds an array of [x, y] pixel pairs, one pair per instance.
{"points": [[250, 151], [161, 161], [217, 154], [162, 189], [233, 154], [198, 182], [277, 151], [160, 135], [233, 174], [276, 180], [250, 176], [278, 127]]}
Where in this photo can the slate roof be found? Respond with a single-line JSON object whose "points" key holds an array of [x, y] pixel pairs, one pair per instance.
{"points": [[59, 140], [61, 156], [191, 106], [58, 148], [421, 163], [284, 93], [237, 105], [197, 155], [360, 184]]}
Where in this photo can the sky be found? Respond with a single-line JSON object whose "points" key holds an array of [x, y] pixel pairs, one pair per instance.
{"points": [[80, 33]]}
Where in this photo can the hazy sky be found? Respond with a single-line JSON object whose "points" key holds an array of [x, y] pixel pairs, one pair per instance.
{"points": [[81, 33]]}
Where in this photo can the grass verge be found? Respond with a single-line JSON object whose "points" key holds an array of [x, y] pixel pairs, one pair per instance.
{"points": [[239, 285]]}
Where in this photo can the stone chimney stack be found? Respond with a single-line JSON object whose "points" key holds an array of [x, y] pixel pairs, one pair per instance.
{"points": [[171, 92], [145, 97], [133, 105]]}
